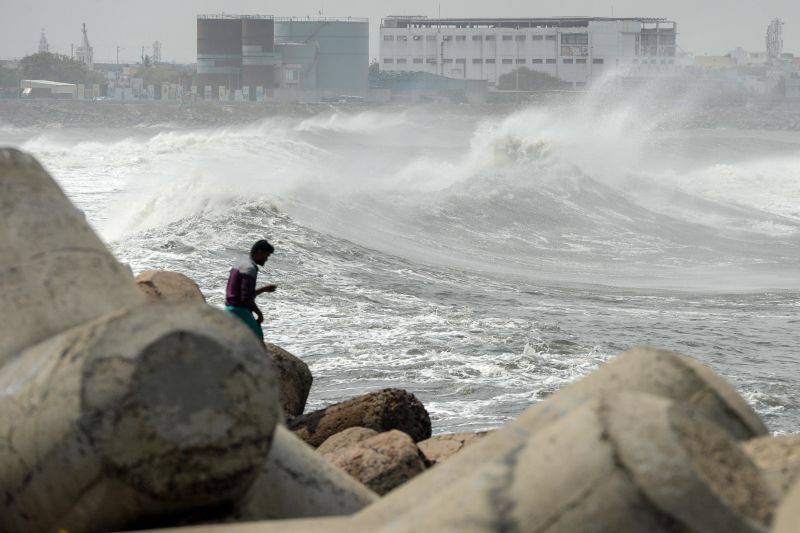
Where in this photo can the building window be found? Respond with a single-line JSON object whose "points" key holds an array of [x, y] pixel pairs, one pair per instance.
{"points": [[635, 60], [581, 61], [461, 37], [490, 38], [417, 60], [461, 61], [549, 37], [447, 37], [477, 38], [418, 37], [430, 37], [388, 37], [447, 60], [402, 37], [431, 60], [520, 61], [551, 61], [575, 38], [537, 37], [520, 37], [388, 60], [671, 61], [508, 37], [537, 61], [477, 61], [598, 61], [401, 60], [508, 61], [580, 84], [490, 61], [566, 61]]}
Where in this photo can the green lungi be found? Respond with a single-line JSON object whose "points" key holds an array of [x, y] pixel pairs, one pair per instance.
{"points": [[246, 316]]}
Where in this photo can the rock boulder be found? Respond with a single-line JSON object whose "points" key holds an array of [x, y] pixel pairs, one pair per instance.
{"points": [[343, 439], [295, 380], [383, 410], [382, 462]]}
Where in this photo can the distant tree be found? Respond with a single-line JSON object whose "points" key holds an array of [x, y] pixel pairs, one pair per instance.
{"points": [[56, 67], [525, 79], [9, 78], [147, 62]]}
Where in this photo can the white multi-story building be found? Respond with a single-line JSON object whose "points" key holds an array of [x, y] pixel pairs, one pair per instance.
{"points": [[573, 49]]}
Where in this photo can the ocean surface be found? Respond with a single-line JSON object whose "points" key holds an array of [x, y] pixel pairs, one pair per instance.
{"points": [[481, 262]]}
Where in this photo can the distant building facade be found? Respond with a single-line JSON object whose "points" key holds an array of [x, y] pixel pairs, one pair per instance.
{"points": [[85, 53], [242, 57], [573, 49]]}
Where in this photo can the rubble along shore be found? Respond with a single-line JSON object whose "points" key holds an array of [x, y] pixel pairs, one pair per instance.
{"points": [[768, 116]]}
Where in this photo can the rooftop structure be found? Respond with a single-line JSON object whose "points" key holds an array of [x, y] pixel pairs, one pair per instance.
{"points": [[575, 50]]}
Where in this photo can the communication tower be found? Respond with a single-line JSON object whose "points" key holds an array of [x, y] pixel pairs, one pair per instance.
{"points": [[775, 39]]}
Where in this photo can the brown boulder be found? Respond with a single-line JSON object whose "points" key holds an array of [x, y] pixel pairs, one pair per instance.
{"points": [[295, 379], [382, 462], [383, 410], [160, 285], [440, 447], [343, 439], [778, 458]]}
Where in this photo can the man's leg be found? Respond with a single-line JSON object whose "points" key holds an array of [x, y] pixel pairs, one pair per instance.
{"points": [[247, 317]]}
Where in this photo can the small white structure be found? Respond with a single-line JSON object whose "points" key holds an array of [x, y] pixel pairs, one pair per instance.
{"points": [[48, 89]]}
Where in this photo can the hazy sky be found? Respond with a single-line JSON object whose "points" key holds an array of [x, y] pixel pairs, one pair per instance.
{"points": [[704, 26]]}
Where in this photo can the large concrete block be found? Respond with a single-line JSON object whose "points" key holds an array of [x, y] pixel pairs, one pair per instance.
{"points": [[778, 458], [787, 519], [55, 273], [660, 373], [165, 286], [145, 412], [297, 482], [629, 462]]}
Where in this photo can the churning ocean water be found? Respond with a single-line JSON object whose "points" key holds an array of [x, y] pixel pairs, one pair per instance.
{"points": [[479, 261]]}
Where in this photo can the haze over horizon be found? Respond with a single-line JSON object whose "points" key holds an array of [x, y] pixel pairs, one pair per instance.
{"points": [[704, 28]]}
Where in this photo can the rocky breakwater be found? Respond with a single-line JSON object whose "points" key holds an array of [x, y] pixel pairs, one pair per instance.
{"points": [[119, 410], [652, 441]]}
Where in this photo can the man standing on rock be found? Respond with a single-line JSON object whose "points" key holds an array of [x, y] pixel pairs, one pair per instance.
{"points": [[240, 295]]}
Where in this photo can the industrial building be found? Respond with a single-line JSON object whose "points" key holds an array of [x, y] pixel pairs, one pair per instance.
{"points": [[248, 56], [576, 50]]}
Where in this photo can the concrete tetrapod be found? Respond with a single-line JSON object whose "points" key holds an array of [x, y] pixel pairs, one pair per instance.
{"points": [[297, 482], [787, 519], [151, 410], [660, 373], [627, 462], [55, 273]]}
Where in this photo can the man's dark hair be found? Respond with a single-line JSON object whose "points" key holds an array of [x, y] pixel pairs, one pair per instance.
{"points": [[262, 246]]}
